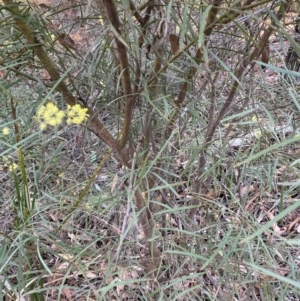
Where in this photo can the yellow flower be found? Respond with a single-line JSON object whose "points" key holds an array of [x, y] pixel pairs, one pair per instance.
{"points": [[254, 118], [5, 131], [76, 114], [12, 167], [49, 115], [54, 118], [71, 113], [43, 126], [7, 163], [41, 111]]}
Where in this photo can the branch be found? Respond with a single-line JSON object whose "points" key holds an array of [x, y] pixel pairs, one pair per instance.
{"points": [[136, 13], [141, 42], [125, 73]]}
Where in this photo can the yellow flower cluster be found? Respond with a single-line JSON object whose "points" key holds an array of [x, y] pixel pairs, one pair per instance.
{"points": [[7, 163], [13, 167], [76, 114], [50, 114]]}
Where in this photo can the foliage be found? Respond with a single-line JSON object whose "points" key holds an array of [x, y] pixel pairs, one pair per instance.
{"points": [[175, 175]]}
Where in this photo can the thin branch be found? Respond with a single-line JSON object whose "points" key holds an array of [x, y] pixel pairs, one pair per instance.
{"points": [[136, 14], [125, 72], [141, 42]]}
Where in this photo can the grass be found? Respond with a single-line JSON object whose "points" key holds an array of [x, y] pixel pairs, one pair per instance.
{"points": [[231, 251], [69, 225]]}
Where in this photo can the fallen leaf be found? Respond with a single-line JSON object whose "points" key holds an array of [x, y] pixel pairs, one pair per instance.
{"points": [[91, 275], [67, 293]]}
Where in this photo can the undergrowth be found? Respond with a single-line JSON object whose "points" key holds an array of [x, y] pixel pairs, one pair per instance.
{"points": [[221, 205]]}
